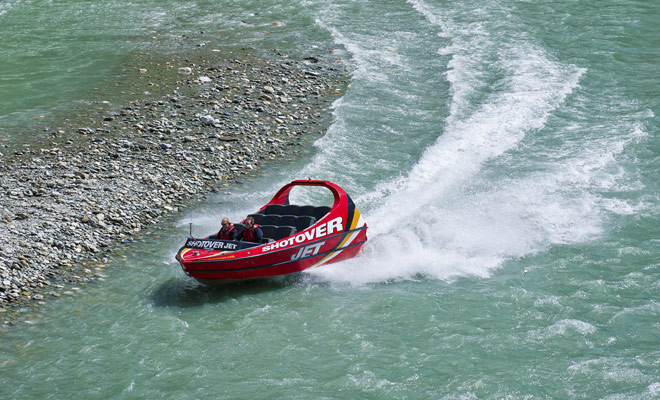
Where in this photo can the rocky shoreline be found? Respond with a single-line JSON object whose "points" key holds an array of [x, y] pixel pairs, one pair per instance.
{"points": [[76, 193]]}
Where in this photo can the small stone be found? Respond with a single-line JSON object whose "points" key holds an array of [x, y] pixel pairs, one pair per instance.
{"points": [[185, 71], [207, 120], [142, 70], [21, 216]]}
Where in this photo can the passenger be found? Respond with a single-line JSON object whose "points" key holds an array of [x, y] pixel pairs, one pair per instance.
{"points": [[252, 232], [227, 232]]}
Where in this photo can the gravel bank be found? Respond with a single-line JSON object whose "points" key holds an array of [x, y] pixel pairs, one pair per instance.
{"points": [[73, 196]]}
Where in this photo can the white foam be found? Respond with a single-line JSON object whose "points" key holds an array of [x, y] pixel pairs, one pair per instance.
{"points": [[7, 5], [654, 389], [486, 226], [370, 54], [563, 328], [444, 218]]}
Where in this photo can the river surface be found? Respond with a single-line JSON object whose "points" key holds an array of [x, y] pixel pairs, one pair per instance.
{"points": [[505, 155]]}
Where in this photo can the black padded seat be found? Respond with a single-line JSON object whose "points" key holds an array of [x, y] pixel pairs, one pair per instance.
{"points": [[284, 231], [291, 209], [270, 219], [319, 212], [272, 209], [304, 222], [290, 220], [306, 210], [268, 231], [257, 218], [239, 228]]}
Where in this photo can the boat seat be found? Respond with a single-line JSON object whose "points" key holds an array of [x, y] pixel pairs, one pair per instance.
{"points": [[306, 211], [272, 209], [319, 212], [284, 231], [304, 222], [239, 228], [290, 220], [290, 209], [270, 219], [257, 218], [268, 231]]}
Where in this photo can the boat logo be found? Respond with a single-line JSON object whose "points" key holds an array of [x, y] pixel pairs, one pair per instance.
{"points": [[210, 245], [307, 251]]}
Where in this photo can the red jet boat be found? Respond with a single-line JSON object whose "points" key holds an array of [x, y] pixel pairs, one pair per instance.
{"points": [[295, 238]]}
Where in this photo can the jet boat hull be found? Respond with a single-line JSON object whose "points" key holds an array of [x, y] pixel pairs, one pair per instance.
{"points": [[337, 235]]}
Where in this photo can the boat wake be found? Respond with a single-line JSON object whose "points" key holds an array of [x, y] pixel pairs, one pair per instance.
{"points": [[500, 182]]}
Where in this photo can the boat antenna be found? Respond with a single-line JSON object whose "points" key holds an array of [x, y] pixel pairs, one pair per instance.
{"points": [[190, 227]]}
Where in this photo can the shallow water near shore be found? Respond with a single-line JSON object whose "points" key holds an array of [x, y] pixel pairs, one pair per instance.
{"points": [[505, 157]]}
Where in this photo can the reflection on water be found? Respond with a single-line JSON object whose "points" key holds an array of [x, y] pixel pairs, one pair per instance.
{"points": [[184, 292]]}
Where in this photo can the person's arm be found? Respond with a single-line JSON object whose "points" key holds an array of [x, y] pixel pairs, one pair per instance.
{"points": [[258, 234], [232, 234]]}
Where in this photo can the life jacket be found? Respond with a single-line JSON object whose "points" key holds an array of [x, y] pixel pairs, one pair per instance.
{"points": [[227, 234], [248, 235]]}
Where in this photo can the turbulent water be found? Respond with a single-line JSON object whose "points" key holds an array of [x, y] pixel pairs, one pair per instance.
{"points": [[505, 155]]}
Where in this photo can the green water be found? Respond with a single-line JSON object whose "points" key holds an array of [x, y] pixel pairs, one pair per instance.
{"points": [[505, 155]]}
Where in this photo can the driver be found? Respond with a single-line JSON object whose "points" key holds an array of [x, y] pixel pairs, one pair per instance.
{"points": [[252, 232]]}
